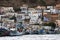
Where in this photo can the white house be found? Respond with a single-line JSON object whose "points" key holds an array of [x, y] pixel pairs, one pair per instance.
{"points": [[30, 11], [34, 14], [8, 9], [9, 23], [54, 11], [20, 17], [41, 7], [39, 11], [34, 18], [47, 10], [33, 10], [11, 14], [24, 8], [50, 7]]}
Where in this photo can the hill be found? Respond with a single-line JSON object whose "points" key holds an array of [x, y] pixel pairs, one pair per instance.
{"points": [[32, 3]]}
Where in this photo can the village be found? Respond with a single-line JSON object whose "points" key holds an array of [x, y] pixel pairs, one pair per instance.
{"points": [[38, 20]]}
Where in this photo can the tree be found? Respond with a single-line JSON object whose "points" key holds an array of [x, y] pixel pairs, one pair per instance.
{"points": [[17, 9], [13, 18], [42, 2], [52, 24]]}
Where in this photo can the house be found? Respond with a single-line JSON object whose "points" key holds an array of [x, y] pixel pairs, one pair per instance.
{"points": [[27, 19], [34, 18], [52, 17], [41, 7], [47, 11], [34, 27], [11, 14], [24, 8], [51, 13], [38, 11], [30, 11], [1, 19], [8, 9], [9, 23], [1, 11], [1, 16], [54, 11], [57, 22], [57, 6], [39, 21], [34, 14], [45, 19], [50, 7], [20, 17]]}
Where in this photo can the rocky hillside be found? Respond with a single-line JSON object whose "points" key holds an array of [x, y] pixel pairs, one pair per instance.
{"points": [[32, 3]]}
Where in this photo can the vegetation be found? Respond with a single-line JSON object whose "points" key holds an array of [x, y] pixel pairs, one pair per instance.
{"points": [[16, 3], [17, 9], [13, 18], [42, 2], [52, 24]]}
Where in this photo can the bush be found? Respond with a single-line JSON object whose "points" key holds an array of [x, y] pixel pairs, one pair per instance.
{"points": [[52, 24], [17, 9]]}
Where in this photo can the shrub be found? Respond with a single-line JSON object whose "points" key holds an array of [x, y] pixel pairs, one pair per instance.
{"points": [[52, 24]]}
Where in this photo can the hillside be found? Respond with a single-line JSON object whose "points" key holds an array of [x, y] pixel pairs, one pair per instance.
{"points": [[32, 3]]}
